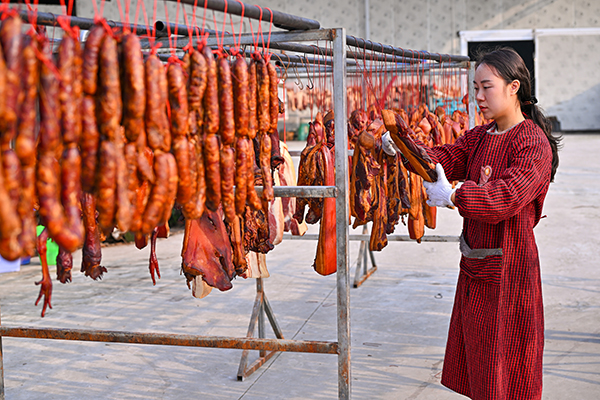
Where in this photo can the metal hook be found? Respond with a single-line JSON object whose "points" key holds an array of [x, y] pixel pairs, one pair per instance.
{"points": [[311, 85], [284, 76], [298, 80]]}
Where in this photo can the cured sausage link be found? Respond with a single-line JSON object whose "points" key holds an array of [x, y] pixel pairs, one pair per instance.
{"points": [[106, 185], [158, 194], [92, 250], [134, 89], [157, 123], [212, 171], [89, 143], [178, 101], [226, 114], [91, 51], [109, 109], [11, 39], [71, 192]]}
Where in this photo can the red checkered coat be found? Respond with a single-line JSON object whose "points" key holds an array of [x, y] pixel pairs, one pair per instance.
{"points": [[496, 336]]}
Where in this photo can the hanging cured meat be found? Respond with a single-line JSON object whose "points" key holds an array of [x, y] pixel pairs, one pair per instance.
{"points": [[207, 251], [401, 135], [326, 258]]}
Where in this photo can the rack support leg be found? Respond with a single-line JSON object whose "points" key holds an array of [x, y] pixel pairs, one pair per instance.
{"points": [[362, 271], [261, 307]]}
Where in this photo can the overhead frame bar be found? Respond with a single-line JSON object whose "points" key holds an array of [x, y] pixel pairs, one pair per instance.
{"points": [[280, 20], [414, 54], [49, 19]]}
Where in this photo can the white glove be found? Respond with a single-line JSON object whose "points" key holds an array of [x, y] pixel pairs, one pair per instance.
{"points": [[388, 145], [439, 192]]}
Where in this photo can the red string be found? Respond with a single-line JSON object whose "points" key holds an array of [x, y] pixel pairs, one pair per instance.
{"points": [[219, 50], [190, 45], [236, 45], [151, 31], [204, 16], [268, 56], [169, 30], [127, 27], [259, 30], [137, 14], [176, 21], [120, 10], [32, 16], [45, 60]]}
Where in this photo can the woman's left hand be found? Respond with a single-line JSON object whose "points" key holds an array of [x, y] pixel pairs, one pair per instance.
{"points": [[440, 192]]}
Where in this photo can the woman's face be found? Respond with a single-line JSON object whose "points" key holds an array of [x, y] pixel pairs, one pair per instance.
{"points": [[495, 98]]}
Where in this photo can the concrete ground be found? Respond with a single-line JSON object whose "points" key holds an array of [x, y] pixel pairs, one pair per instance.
{"points": [[399, 316]]}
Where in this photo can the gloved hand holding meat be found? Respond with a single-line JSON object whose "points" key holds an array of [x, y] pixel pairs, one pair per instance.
{"points": [[440, 192]]}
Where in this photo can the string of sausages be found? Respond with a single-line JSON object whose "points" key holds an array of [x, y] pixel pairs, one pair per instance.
{"points": [[123, 139]]}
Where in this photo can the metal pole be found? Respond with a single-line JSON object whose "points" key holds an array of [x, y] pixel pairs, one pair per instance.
{"points": [[342, 214], [472, 102], [261, 313], [383, 48], [49, 19], [279, 19]]}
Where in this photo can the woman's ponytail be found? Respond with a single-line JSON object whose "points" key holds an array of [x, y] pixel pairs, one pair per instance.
{"points": [[533, 112]]}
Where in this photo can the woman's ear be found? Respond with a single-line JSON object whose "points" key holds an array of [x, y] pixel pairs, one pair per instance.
{"points": [[514, 86]]}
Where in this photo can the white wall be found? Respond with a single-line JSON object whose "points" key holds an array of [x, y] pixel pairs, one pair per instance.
{"points": [[568, 86]]}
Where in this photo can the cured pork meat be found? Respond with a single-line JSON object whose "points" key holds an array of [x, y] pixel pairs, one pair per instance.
{"points": [[365, 172], [326, 258], [287, 177], [402, 135], [207, 251]]}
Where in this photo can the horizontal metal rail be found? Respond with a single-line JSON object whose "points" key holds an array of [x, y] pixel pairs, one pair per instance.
{"points": [[279, 19], [166, 339], [390, 238], [279, 41], [383, 48], [301, 191], [375, 69], [49, 19]]}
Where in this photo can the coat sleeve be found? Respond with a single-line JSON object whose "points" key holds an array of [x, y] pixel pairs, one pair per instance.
{"points": [[453, 157], [521, 183]]}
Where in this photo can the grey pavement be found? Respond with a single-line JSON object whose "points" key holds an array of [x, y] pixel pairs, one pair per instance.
{"points": [[399, 316]]}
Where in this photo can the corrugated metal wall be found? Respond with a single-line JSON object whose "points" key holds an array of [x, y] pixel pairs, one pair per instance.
{"points": [[433, 25]]}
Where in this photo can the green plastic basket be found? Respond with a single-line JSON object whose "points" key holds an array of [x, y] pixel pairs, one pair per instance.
{"points": [[52, 248]]}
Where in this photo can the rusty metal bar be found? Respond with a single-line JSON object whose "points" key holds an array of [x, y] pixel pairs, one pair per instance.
{"points": [[261, 307], [271, 316], [224, 342], [256, 365]]}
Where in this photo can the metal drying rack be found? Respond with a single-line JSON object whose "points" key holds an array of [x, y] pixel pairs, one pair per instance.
{"points": [[303, 30]]}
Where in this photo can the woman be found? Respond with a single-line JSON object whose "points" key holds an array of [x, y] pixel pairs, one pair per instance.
{"points": [[496, 336]]}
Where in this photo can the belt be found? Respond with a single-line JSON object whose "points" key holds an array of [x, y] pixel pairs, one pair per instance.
{"points": [[476, 253]]}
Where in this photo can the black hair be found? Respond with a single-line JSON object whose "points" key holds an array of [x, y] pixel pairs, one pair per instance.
{"points": [[510, 66]]}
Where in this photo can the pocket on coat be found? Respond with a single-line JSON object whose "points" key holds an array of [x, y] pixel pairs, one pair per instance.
{"points": [[488, 269]]}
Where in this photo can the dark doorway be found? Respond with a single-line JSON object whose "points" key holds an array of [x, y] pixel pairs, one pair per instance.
{"points": [[525, 48]]}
